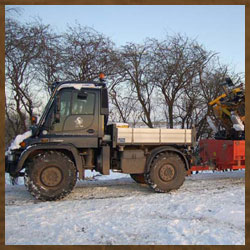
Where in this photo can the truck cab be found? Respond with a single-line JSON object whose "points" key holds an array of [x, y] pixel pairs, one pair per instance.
{"points": [[77, 113]]}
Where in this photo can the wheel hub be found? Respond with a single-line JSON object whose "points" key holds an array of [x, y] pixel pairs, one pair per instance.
{"points": [[51, 176], [167, 172]]}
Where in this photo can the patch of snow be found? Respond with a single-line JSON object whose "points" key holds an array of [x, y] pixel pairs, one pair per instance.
{"points": [[209, 209], [237, 123], [78, 86], [212, 125], [17, 140], [96, 175]]}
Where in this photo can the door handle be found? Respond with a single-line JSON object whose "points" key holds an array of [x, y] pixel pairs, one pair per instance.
{"points": [[91, 131]]}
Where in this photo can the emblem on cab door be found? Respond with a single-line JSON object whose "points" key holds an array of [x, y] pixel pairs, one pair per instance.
{"points": [[79, 122]]}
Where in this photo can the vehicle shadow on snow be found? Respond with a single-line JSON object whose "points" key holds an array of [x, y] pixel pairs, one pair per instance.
{"points": [[103, 189]]}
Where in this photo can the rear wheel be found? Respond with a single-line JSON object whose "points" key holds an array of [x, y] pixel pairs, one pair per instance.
{"points": [[50, 176], [167, 172], [139, 178]]}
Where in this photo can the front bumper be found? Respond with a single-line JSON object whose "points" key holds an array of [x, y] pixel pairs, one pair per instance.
{"points": [[11, 161], [10, 166]]}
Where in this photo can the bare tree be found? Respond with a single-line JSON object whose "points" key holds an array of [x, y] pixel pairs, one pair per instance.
{"points": [[23, 45], [86, 53], [193, 106], [124, 104], [178, 61], [134, 62], [50, 62], [12, 11], [210, 84]]}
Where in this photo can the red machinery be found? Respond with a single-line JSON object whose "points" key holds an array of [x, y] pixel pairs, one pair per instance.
{"points": [[227, 149], [220, 155]]}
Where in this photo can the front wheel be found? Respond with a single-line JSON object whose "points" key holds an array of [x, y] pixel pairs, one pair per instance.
{"points": [[50, 176], [167, 172]]}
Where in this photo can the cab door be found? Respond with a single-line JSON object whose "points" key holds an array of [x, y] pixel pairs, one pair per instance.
{"points": [[83, 118], [79, 119]]}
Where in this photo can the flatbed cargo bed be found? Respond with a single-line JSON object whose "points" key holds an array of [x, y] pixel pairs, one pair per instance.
{"points": [[135, 136]]}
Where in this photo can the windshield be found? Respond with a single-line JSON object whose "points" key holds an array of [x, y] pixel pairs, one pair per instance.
{"points": [[46, 110]]}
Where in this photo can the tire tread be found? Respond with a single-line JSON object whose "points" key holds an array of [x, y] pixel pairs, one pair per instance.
{"points": [[31, 187]]}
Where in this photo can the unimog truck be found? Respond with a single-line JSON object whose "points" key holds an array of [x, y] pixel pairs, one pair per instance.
{"points": [[73, 135]]}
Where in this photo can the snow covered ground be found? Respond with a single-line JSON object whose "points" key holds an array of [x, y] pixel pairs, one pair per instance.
{"points": [[209, 209]]}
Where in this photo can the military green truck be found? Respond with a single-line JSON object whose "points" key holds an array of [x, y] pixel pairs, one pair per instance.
{"points": [[73, 135]]}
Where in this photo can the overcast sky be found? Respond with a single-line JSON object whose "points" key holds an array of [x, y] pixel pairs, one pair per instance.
{"points": [[220, 28]]}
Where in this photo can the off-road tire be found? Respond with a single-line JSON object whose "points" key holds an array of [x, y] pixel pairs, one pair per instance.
{"points": [[167, 172], [139, 178], [50, 176]]}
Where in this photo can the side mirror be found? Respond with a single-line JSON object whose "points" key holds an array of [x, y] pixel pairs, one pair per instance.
{"points": [[57, 109]]}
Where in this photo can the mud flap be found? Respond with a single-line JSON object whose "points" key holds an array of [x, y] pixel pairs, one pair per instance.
{"points": [[105, 156]]}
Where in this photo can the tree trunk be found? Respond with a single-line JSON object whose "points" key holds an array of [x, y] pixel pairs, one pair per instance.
{"points": [[170, 115]]}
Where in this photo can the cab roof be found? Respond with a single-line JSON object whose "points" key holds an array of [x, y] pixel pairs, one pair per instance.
{"points": [[77, 85]]}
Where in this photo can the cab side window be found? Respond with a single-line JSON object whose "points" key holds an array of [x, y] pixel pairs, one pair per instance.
{"points": [[83, 107], [65, 104], [74, 107]]}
